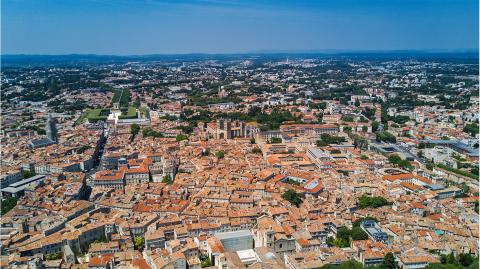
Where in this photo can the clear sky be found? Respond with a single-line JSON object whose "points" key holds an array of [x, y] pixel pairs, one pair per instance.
{"points": [[125, 27]]}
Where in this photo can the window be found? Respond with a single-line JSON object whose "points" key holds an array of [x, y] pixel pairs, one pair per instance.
{"points": [[280, 246]]}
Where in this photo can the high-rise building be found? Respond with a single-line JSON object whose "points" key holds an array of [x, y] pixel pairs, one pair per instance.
{"points": [[51, 128]]}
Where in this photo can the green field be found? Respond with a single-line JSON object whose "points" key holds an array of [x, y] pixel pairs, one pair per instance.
{"points": [[122, 97], [131, 113], [82, 117], [97, 114], [143, 111]]}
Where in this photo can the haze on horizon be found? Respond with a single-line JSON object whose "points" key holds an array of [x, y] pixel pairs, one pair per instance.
{"points": [[126, 27]]}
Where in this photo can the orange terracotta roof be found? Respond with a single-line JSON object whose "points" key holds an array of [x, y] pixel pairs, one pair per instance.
{"points": [[100, 260], [409, 186], [393, 178]]}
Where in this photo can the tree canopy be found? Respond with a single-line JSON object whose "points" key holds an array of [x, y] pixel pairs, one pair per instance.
{"points": [[138, 242], [8, 204], [471, 128], [134, 129], [293, 197], [167, 179], [371, 202], [326, 139], [385, 137], [220, 154]]}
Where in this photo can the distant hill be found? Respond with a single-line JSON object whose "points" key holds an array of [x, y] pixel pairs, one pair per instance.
{"points": [[75, 59]]}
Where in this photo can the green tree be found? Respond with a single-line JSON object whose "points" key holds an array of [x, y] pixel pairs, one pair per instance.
{"points": [[344, 236], [357, 102], [389, 262], [53, 256], [331, 139], [330, 241], [293, 197], [394, 159], [138, 242], [369, 113], [167, 179], [137, 103], [27, 174], [220, 154], [205, 261], [471, 129], [134, 129], [385, 137], [256, 150], [358, 234], [371, 202], [319, 117], [350, 264], [320, 106], [181, 137], [405, 165], [448, 259], [400, 119], [358, 141], [347, 129], [429, 165], [347, 118], [147, 132], [474, 170], [343, 233], [338, 242], [466, 259], [375, 126], [326, 139], [321, 143], [8, 204]]}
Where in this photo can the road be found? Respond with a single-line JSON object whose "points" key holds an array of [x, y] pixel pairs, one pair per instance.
{"points": [[407, 151]]}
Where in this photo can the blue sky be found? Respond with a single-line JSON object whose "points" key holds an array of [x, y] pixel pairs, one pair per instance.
{"points": [[125, 27]]}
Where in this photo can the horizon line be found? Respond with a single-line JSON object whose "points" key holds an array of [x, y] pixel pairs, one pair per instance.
{"points": [[266, 52]]}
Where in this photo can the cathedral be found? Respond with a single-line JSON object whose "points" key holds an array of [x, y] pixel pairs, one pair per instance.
{"points": [[228, 129]]}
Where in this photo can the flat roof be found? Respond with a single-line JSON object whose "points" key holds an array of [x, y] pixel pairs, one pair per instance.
{"points": [[21, 185], [227, 235], [12, 189], [41, 142], [316, 153], [374, 230], [247, 255], [456, 143], [27, 181], [435, 187]]}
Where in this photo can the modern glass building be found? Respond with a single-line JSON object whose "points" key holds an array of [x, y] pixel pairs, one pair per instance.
{"points": [[236, 240]]}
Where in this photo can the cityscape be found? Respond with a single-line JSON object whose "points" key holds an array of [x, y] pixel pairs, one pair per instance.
{"points": [[260, 160]]}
